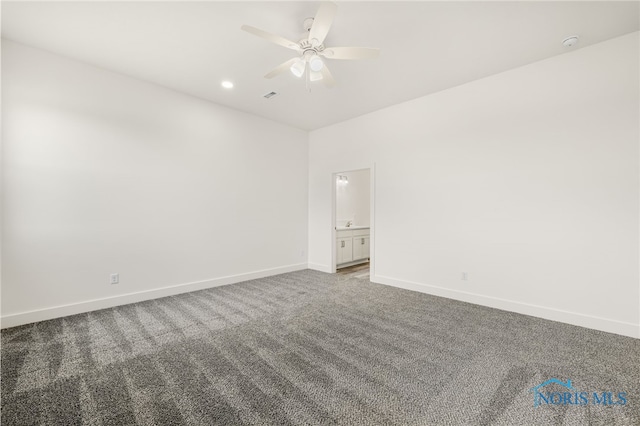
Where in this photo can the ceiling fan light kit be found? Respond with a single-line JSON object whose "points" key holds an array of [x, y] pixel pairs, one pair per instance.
{"points": [[297, 68], [311, 49], [315, 63]]}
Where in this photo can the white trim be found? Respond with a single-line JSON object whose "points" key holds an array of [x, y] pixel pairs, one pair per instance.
{"points": [[140, 296], [573, 318], [319, 267], [372, 219], [334, 206], [334, 231]]}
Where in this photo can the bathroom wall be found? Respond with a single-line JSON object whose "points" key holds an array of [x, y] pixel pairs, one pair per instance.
{"points": [[352, 199]]}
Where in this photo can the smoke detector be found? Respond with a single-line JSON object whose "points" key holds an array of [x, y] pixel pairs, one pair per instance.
{"points": [[570, 41]]}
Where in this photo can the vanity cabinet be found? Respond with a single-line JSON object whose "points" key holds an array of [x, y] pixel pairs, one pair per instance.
{"points": [[352, 246], [360, 247], [344, 249]]}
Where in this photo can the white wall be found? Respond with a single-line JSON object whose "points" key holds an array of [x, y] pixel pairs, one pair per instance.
{"points": [[103, 173], [352, 199], [527, 180]]}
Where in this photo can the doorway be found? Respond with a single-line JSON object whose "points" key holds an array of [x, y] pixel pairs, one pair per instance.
{"points": [[352, 222]]}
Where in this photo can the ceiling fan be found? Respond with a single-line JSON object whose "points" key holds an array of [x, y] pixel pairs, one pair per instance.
{"points": [[311, 50]]}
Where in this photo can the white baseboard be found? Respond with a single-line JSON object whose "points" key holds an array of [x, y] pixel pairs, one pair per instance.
{"points": [[573, 318], [319, 267], [124, 299]]}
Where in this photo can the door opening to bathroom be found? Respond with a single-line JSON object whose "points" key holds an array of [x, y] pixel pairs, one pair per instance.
{"points": [[352, 222]]}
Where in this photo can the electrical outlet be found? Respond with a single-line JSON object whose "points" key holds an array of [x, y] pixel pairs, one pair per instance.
{"points": [[115, 278], [465, 276]]}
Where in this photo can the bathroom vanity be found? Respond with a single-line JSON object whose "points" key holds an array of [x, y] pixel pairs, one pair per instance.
{"points": [[352, 245]]}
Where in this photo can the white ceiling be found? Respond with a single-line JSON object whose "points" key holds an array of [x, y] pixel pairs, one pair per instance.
{"points": [[425, 46]]}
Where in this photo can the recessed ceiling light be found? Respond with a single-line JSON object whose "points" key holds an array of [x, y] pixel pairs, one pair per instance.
{"points": [[570, 41], [227, 84]]}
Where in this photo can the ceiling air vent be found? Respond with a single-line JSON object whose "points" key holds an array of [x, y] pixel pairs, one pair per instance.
{"points": [[269, 95]]}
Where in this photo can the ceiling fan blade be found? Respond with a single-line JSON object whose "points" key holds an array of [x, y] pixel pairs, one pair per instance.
{"points": [[315, 76], [271, 37], [350, 53], [322, 22], [327, 78], [281, 68]]}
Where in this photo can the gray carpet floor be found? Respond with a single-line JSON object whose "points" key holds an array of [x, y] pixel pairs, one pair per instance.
{"points": [[310, 348]]}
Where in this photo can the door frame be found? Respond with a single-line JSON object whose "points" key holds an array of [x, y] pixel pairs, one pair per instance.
{"points": [[372, 245]]}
